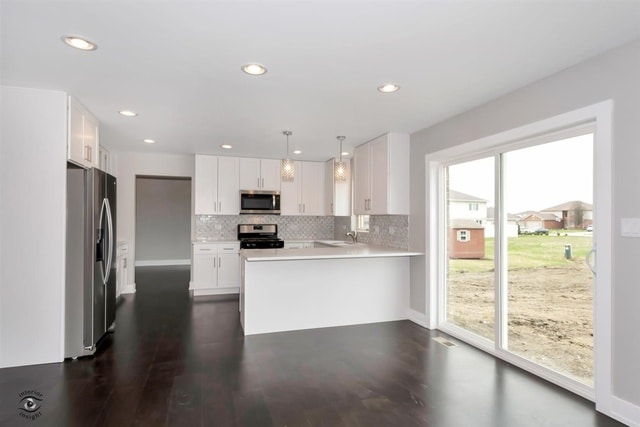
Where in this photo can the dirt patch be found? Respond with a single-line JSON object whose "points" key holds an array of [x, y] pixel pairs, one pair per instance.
{"points": [[550, 314]]}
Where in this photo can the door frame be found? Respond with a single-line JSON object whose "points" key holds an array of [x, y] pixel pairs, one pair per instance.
{"points": [[600, 115]]}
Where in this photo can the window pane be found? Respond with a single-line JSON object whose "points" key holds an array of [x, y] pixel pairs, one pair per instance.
{"points": [[548, 196], [470, 268]]}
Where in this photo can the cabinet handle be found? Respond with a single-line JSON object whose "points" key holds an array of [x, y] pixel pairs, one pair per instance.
{"points": [[214, 263], [262, 182], [219, 262], [204, 250], [219, 206], [304, 207], [331, 207], [258, 182]]}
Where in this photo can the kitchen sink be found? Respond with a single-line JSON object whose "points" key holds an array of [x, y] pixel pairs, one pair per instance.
{"points": [[338, 243]]}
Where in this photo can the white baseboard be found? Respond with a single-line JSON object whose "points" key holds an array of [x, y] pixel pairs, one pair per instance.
{"points": [[151, 263], [418, 318], [129, 289], [625, 412], [212, 291]]}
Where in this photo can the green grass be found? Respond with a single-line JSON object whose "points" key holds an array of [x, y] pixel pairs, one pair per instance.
{"points": [[529, 252]]}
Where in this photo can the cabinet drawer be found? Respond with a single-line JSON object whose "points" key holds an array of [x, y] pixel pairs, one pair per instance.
{"points": [[205, 249], [228, 248]]}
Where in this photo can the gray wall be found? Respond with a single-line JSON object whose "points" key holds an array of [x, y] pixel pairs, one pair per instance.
{"points": [[163, 219], [613, 75]]}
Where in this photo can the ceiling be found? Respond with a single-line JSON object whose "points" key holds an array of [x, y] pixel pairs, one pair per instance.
{"points": [[177, 64]]}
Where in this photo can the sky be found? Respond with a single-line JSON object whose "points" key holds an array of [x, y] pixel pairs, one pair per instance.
{"points": [[535, 178]]}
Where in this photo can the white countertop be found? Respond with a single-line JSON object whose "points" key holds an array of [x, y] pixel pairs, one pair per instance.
{"points": [[343, 251]]}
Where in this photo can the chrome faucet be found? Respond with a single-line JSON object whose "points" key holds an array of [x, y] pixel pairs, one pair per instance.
{"points": [[354, 236]]}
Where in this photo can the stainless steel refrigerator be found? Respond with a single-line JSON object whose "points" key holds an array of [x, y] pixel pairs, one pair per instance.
{"points": [[90, 297]]}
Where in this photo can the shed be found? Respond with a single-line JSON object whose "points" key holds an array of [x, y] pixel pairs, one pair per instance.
{"points": [[466, 239]]}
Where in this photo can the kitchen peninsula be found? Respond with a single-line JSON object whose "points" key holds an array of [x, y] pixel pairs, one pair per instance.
{"points": [[292, 289]]}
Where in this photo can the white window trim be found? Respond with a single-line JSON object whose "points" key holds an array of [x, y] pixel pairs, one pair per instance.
{"points": [[553, 128]]}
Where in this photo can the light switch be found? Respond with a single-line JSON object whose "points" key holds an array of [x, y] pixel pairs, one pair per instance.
{"points": [[630, 227]]}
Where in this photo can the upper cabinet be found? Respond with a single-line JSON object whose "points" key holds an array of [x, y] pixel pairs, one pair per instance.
{"points": [[259, 174], [337, 193], [217, 187], [381, 170], [83, 142], [305, 195]]}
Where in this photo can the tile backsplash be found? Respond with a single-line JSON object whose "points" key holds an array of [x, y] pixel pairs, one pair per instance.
{"points": [[384, 230], [225, 227]]}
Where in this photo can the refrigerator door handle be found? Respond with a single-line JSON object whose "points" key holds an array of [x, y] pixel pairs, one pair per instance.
{"points": [[110, 224], [101, 241]]}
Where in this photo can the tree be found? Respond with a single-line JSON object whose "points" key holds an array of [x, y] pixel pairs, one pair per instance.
{"points": [[578, 211]]}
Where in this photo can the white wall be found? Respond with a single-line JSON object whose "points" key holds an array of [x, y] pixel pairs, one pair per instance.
{"points": [[131, 165], [613, 75], [163, 220], [33, 145]]}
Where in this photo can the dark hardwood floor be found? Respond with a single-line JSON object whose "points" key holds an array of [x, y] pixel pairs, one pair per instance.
{"points": [[178, 361]]}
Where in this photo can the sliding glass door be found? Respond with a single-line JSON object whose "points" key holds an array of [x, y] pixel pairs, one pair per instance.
{"points": [[518, 223]]}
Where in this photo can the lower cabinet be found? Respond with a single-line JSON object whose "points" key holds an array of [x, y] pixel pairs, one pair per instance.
{"points": [[215, 268]]}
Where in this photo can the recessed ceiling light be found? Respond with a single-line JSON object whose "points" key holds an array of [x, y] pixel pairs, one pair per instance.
{"points": [[254, 69], [297, 152], [79, 42], [150, 141], [226, 146], [127, 113], [388, 88], [345, 153]]}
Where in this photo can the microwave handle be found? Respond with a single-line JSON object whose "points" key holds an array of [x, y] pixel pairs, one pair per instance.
{"points": [[273, 202]]}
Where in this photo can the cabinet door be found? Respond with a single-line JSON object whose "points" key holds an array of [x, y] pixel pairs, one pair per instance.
{"points": [[205, 262], [290, 194], [250, 174], [342, 193], [329, 187], [361, 180], [206, 185], [228, 186], [312, 188], [91, 147], [379, 175], [270, 175], [228, 269], [75, 147]]}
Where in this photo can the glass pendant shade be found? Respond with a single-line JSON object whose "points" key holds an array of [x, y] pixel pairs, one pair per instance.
{"points": [[340, 171], [287, 170], [287, 166], [340, 167]]}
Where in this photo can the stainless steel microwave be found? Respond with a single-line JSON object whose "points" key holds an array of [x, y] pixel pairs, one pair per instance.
{"points": [[260, 202]]}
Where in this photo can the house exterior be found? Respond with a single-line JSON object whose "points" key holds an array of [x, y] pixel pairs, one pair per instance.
{"points": [[573, 215], [466, 206], [490, 224], [530, 221], [466, 239]]}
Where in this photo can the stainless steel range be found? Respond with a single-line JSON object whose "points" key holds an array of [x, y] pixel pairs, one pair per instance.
{"points": [[259, 236]]}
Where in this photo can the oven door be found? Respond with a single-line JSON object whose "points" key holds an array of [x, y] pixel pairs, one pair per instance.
{"points": [[260, 202]]}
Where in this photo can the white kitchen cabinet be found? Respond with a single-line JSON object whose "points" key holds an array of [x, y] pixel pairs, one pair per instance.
{"points": [[217, 185], [215, 268], [337, 194], [259, 174], [381, 176], [122, 267], [83, 141], [305, 194]]}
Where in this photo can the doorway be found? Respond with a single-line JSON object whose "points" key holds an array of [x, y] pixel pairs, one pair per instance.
{"points": [[532, 256]]}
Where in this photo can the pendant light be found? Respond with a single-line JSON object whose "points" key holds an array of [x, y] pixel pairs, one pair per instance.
{"points": [[287, 166], [340, 167]]}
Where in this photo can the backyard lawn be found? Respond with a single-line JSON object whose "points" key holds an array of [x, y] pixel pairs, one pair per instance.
{"points": [[549, 300]]}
